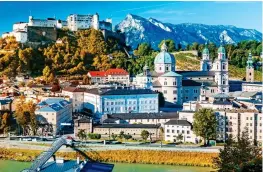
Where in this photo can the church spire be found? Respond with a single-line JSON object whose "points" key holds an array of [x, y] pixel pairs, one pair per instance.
{"points": [[249, 61]]}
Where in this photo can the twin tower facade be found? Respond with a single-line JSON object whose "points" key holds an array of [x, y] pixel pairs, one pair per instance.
{"points": [[219, 67]]}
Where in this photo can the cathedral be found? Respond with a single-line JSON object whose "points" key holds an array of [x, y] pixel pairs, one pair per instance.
{"points": [[182, 86]]}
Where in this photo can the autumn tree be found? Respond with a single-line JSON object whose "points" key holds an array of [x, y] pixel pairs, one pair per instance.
{"points": [[240, 155], [25, 115], [6, 122], [145, 134], [204, 124]]}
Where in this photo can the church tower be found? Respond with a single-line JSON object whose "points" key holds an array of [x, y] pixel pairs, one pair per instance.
{"points": [[147, 77], [220, 67], [250, 69], [205, 62]]}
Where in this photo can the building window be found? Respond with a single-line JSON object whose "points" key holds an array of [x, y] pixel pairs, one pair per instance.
{"points": [[165, 83], [188, 132], [165, 91], [172, 131], [195, 91], [168, 130]]}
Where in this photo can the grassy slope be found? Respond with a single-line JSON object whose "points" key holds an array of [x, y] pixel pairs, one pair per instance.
{"points": [[191, 62]]}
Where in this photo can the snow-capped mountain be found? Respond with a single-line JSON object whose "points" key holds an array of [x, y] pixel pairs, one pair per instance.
{"points": [[138, 30]]}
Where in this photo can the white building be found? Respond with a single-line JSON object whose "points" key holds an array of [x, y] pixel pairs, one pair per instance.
{"points": [[55, 111], [252, 86], [77, 21], [102, 101], [111, 75], [76, 97], [21, 36], [181, 86], [173, 128]]}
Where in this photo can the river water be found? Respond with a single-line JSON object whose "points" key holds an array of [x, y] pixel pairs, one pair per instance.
{"points": [[16, 166]]}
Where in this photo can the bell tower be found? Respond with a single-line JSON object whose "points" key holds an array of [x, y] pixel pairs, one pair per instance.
{"points": [[205, 62], [250, 69]]}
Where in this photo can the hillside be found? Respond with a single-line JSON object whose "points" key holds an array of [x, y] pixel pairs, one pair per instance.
{"points": [[138, 29], [191, 62]]}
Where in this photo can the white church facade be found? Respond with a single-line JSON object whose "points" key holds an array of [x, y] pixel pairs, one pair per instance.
{"points": [[182, 86]]}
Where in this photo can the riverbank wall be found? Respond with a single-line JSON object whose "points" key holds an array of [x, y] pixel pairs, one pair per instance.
{"points": [[123, 156]]}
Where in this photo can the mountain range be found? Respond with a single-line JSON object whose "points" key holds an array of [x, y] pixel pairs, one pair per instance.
{"points": [[138, 30]]}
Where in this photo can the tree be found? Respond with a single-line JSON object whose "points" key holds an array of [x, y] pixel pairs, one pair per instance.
{"points": [[127, 136], [46, 72], [21, 84], [143, 50], [82, 134], [114, 136], [239, 156], [161, 99], [121, 135], [180, 137], [25, 116], [170, 45], [162, 132], [204, 124], [145, 134], [6, 122]]}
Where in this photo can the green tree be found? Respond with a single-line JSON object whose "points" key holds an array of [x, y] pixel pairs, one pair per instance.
{"points": [[127, 136], [143, 50], [114, 136], [239, 156], [170, 45], [180, 137], [121, 135], [81, 134], [145, 134], [204, 124]]}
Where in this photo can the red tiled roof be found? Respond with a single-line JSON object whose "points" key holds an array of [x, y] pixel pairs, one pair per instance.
{"points": [[74, 89], [97, 73], [116, 72]]}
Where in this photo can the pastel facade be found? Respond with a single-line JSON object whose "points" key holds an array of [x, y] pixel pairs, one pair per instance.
{"points": [[109, 76], [76, 97], [102, 101], [173, 128], [55, 111], [77, 21], [135, 130]]}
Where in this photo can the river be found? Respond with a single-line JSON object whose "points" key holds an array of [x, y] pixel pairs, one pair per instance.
{"points": [[16, 166]]}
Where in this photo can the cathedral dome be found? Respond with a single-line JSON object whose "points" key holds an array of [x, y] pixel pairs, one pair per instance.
{"points": [[164, 57]]}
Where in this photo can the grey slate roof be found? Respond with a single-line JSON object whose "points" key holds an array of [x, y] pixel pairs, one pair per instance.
{"points": [[189, 82], [120, 91], [178, 122], [127, 126], [163, 115], [196, 73], [157, 83]]}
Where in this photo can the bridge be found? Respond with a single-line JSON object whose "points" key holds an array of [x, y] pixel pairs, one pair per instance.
{"points": [[46, 155], [40, 164]]}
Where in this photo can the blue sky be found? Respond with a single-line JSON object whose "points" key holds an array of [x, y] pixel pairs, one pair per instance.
{"points": [[240, 14]]}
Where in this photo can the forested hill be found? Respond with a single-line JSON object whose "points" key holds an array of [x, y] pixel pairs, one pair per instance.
{"points": [[79, 52], [87, 50]]}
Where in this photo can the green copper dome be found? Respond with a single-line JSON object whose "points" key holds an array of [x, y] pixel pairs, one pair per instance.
{"points": [[221, 49], [205, 51], [164, 56]]}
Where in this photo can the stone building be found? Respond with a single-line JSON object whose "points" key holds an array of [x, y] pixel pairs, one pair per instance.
{"points": [[106, 130]]}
